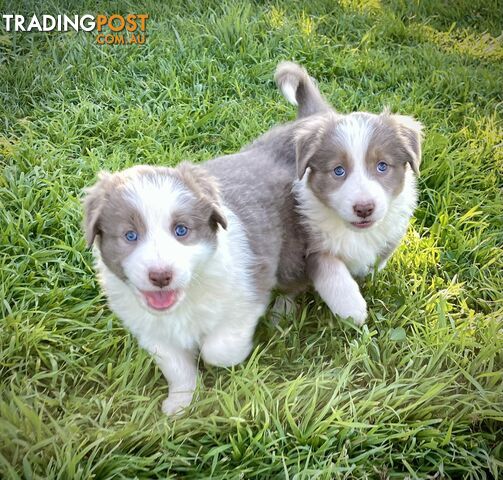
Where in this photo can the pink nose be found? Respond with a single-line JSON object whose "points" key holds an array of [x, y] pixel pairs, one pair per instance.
{"points": [[160, 278], [364, 210]]}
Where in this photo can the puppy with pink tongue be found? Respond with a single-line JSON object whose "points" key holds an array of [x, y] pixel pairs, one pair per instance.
{"points": [[188, 257]]}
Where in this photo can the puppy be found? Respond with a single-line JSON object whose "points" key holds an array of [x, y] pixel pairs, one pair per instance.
{"points": [[355, 188], [188, 256]]}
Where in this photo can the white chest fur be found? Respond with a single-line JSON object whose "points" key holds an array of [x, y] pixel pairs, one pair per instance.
{"points": [[221, 292]]}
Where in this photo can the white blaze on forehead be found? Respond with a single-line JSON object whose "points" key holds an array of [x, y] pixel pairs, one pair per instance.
{"points": [[156, 197], [355, 132]]}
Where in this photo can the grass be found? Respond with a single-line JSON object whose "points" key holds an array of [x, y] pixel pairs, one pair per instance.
{"points": [[416, 393]]}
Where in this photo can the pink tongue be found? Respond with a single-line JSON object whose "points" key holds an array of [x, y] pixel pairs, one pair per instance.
{"points": [[160, 300]]}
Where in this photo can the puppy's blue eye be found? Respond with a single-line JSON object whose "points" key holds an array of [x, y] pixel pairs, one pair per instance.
{"points": [[339, 171], [131, 236], [181, 230], [382, 167]]}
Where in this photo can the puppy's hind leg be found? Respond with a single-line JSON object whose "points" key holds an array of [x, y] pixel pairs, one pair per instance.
{"points": [[337, 287], [232, 341]]}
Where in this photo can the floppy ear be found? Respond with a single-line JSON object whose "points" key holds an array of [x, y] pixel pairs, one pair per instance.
{"points": [[217, 218], [206, 188], [308, 137], [411, 136], [93, 204]]}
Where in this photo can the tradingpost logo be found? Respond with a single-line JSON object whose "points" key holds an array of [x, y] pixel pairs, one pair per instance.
{"points": [[110, 29]]}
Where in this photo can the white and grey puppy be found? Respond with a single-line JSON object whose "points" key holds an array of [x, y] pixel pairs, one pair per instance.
{"points": [[188, 256], [356, 188]]}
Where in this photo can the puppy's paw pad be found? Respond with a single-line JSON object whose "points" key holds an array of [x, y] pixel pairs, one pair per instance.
{"points": [[175, 404]]}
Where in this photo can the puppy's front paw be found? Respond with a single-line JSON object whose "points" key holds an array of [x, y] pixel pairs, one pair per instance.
{"points": [[353, 306], [176, 403]]}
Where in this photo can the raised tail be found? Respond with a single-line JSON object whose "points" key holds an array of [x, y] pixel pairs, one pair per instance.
{"points": [[299, 89]]}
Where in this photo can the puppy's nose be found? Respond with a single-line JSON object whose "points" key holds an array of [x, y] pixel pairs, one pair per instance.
{"points": [[160, 278], [364, 210]]}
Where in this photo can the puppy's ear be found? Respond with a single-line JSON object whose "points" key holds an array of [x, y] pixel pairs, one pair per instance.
{"points": [[199, 181], [217, 218], [206, 188], [308, 138], [93, 203], [410, 132]]}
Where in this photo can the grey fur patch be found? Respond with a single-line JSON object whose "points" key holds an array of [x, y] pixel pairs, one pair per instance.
{"points": [[310, 135], [108, 215], [206, 191], [410, 133], [93, 204], [257, 186]]}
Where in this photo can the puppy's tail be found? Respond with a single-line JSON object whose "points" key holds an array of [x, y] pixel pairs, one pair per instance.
{"points": [[299, 89]]}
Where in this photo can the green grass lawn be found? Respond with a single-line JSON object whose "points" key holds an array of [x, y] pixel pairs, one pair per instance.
{"points": [[416, 393]]}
